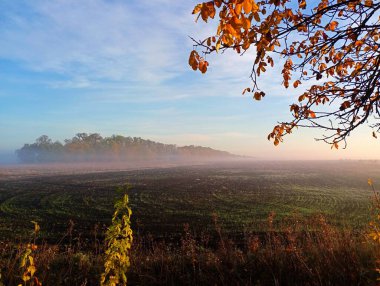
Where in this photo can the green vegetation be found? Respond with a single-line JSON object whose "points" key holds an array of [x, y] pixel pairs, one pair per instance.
{"points": [[241, 194]]}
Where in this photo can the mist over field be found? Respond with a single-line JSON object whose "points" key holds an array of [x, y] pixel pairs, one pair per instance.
{"points": [[8, 158]]}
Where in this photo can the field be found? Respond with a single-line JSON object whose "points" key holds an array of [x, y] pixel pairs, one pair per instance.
{"points": [[241, 194], [231, 223]]}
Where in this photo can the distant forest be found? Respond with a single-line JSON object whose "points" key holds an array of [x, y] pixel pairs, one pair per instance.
{"points": [[94, 148]]}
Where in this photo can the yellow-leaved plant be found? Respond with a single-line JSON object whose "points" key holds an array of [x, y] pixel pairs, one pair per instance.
{"points": [[27, 264], [118, 241]]}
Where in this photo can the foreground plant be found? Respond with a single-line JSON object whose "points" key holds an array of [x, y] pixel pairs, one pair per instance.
{"points": [[27, 261], [119, 237]]}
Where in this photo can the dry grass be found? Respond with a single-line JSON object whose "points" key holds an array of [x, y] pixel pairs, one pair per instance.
{"points": [[292, 252]]}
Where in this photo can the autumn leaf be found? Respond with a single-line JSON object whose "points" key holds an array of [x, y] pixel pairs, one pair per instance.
{"points": [[311, 114], [247, 6], [325, 44], [238, 8], [257, 95], [335, 145], [197, 8], [345, 105], [217, 46], [296, 83], [203, 66], [246, 90], [302, 4], [332, 26]]}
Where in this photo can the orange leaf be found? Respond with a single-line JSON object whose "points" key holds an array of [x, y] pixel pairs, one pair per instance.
{"points": [[296, 83], [345, 105], [335, 145], [238, 8], [246, 90], [257, 95], [247, 6], [246, 24], [332, 26], [302, 4], [312, 114], [203, 66]]}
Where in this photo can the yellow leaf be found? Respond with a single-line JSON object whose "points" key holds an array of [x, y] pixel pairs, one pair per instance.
{"points": [[36, 226], [31, 269], [197, 8], [370, 182], [31, 260], [217, 46]]}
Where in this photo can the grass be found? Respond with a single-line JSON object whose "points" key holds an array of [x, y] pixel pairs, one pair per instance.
{"points": [[300, 252]]}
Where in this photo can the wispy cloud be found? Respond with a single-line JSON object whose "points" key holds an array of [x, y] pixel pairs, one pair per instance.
{"points": [[113, 40], [118, 45]]}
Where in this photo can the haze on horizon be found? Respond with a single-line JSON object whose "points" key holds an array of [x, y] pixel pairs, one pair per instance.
{"points": [[120, 67]]}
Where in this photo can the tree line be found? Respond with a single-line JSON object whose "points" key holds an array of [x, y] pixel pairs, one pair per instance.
{"points": [[85, 147]]}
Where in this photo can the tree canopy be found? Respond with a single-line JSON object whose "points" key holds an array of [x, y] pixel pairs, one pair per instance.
{"points": [[333, 44], [93, 147]]}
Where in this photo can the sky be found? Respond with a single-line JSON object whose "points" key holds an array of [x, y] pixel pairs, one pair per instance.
{"points": [[121, 67]]}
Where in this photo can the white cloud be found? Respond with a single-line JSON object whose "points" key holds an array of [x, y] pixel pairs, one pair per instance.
{"points": [[121, 45], [114, 40]]}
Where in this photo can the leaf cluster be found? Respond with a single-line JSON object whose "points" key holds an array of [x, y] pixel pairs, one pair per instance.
{"points": [[333, 44]]}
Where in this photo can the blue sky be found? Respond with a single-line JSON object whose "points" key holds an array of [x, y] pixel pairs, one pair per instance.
{"points": [[120, 67]]}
